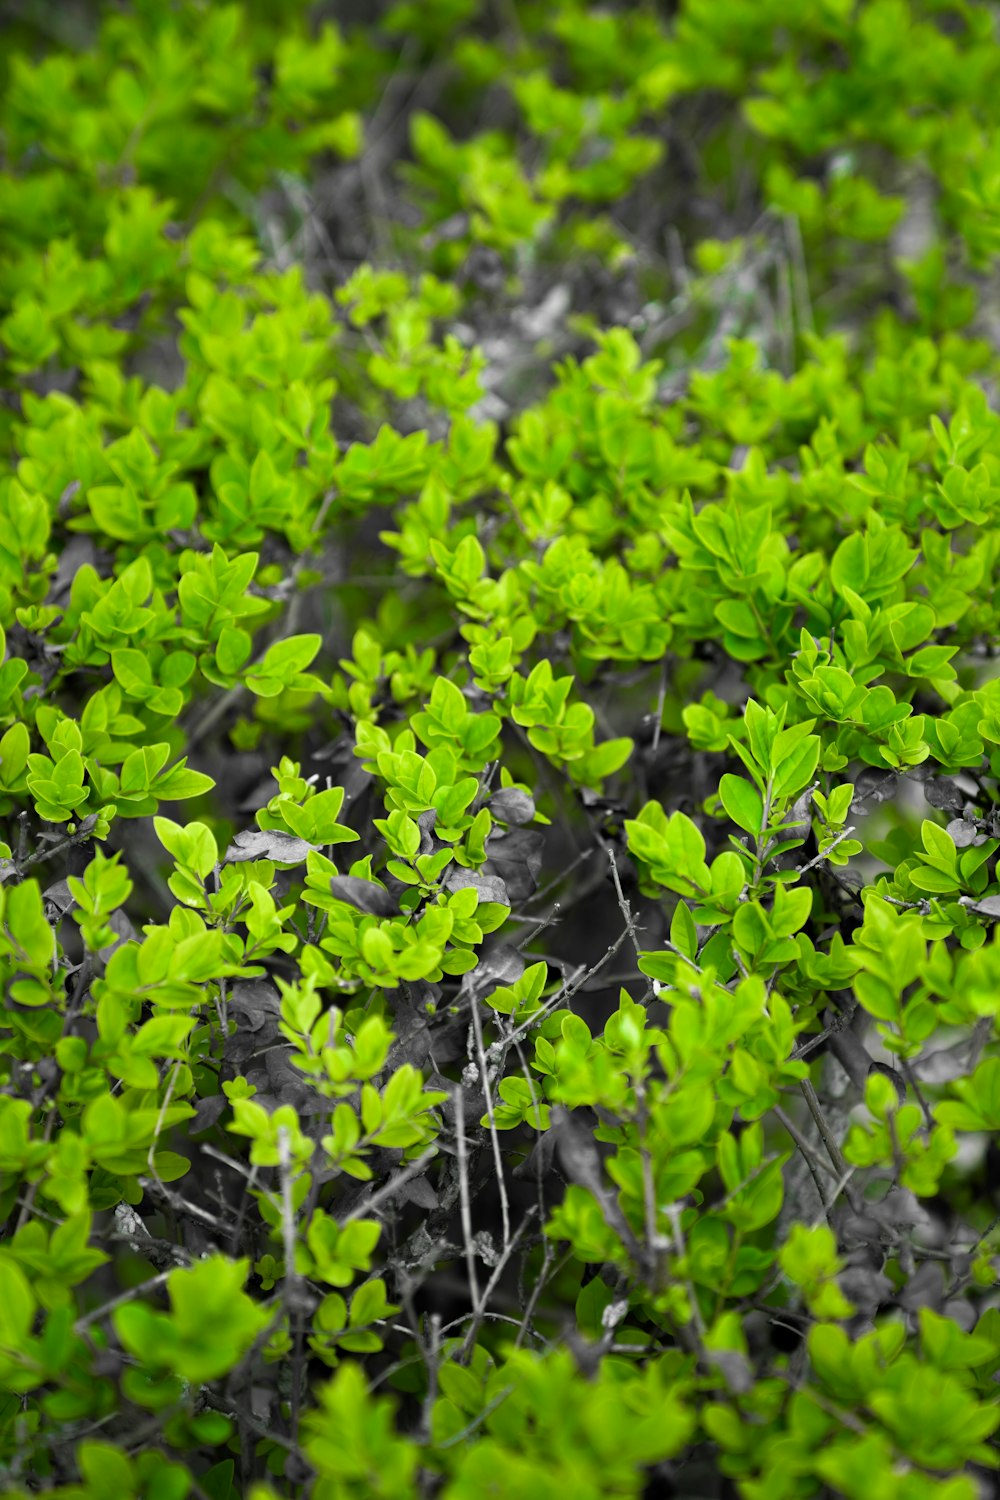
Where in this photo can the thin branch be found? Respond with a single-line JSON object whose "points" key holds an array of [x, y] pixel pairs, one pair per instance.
{"points": [[818, 859], [498, 1270], [127, 1296], [479, 1418], [581, 976], [477, 1030], [661, 699], [388, 1189], [292, 1280], [829, 1141], [463, 1192]]}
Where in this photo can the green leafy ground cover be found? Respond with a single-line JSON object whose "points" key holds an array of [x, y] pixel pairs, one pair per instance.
{"points": [[499, 750]]}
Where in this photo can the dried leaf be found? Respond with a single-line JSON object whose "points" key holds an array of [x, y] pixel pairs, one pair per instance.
{"points": [[256, 1000], [271, 843], [120, 923], [925, 1288], [419, 1191], [59, 896], [963, 834], [503, 964], [873, 786], [289, 1084], [516, 856], [426, 822], [364, 895], [490, 887], [512, 806], [865, 1287], [207, 1113], [988, 907], [941, 791]]}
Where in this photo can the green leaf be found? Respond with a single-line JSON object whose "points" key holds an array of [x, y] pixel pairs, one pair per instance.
{"points": [[17, 1310], [743, 803], [132, 670], [289, 657], [232, 649], [940, 847], [178, 784], [796, 769]]}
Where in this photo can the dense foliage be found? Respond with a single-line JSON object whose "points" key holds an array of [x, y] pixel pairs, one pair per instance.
{"points": [[499, 750]]}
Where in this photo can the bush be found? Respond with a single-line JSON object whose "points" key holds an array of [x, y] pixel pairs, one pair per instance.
{"points": [[552, 451]]}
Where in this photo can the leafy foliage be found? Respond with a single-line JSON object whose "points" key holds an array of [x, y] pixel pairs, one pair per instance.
{"points": [[499, 751]]}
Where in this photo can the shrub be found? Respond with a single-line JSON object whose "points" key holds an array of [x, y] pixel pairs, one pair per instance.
{"points": [[548, 452]]}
